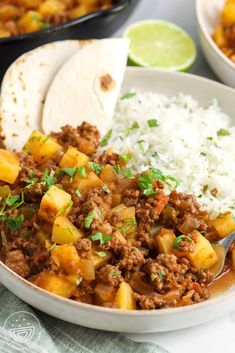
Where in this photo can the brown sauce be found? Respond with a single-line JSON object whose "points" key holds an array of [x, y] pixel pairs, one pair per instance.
{"points": [[223, 283]]}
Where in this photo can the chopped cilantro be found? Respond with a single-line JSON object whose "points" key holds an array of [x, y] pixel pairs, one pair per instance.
{"points": [[129, 224], [176, 241], [116, 273], [103, 238], [89, 218], [223, 132], [101, 253], [77, 192], [106, 188], [69, 171], [32, 180], [125, 157], [117, 168], [43, 24], [128, 173], [48, 179], [106, 138], [14, 223], [128, 95], [160, 275], [145, 181], [152, 123], [11, 200], [52, 247], [131, 129], [81, 171], [209, 138], [140, 145], [96, 167]]}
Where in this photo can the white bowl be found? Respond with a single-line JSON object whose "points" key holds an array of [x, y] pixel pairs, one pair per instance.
{"points": [[208, 17], [168, 83]]}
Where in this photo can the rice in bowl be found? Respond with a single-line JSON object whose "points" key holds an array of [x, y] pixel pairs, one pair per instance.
{"points": [[192, 144]]}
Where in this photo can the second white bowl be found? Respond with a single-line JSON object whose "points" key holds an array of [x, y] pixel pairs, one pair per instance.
{"points": [[208, 17]]}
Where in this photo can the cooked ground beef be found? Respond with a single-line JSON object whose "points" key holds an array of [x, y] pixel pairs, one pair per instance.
{"points": [[85, 137], [15, 260], [109, 235]]}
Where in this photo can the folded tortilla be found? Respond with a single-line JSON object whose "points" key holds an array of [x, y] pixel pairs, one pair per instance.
{"points": [[87, 86], [24, 88]]}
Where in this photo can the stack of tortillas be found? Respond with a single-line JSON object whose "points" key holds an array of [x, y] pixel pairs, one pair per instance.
{"points": [[61, 83]]}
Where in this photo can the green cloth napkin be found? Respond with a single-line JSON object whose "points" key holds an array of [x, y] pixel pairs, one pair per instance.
{"points": [[27, 330]]}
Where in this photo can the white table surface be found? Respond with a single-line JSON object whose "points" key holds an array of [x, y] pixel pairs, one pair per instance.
{"points": [[217, 336]]}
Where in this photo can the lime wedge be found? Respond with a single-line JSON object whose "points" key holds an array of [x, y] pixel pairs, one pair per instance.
{"points": [[160, 44]]}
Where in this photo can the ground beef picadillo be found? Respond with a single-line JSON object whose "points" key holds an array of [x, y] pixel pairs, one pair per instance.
{"points": [[119, 219]]}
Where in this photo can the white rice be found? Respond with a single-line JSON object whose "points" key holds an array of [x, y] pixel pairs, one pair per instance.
{"points": [[185, 145]]}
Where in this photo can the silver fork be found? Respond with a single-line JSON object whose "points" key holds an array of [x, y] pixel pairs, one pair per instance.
{"points": [[224, 246]]}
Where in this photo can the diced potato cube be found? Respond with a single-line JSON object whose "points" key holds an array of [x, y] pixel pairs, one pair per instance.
{"points": [[74, 158], [79, 11], [51, 7], [83, 184], [64, 232], [116, 199], [233, 259], [9, 166], [228, 14], [41, 147], [31, 21], [124, 298], [66, 257], [224, 224], [126, 220], [108, 174], [54, 203], [98, 260], [219, 37], [87, 269], [55, 284], [204, 256], [165, 240]]}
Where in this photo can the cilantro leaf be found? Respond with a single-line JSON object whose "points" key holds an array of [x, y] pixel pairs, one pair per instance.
{"points": [[96, 167], [176, 241], [106, 138], [116, 273], [89, 218], [77, 192], [106, 188], [160, 275], [14, 223], [152, 123], [101, 253], [48, 179], [11, 200], [223, 132], [103, 238], [69, 171], [125, 157], [128, 95], [128, 173], [117, 168], [81, 171]]}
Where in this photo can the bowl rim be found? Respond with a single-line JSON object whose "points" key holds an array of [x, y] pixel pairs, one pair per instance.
{"points": [[120, 6], [207, 35], [219, 299]]}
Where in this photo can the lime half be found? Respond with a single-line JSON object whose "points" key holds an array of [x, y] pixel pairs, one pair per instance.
{"points": [[160, 44]]}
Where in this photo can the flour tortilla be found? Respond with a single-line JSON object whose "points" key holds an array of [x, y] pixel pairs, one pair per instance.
{"points": [[87, 86], [24, 89]]}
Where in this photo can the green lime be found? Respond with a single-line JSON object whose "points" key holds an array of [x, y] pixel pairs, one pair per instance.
{"points": [[160, 44]]}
